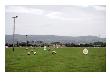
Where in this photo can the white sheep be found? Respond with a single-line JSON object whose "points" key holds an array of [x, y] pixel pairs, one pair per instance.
{"points": [[28, 53], [53, 52], [85, 51], [34, 53]]}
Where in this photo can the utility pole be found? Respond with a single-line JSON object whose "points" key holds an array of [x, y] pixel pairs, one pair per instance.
{"points": [[14, 30], [26, 41]]}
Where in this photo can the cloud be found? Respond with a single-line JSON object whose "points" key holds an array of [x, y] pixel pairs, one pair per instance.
{"points": [[100, 8], [96, 7], [55, 15], [21, 9], [43, 19], [59, 16], [66, 17]]}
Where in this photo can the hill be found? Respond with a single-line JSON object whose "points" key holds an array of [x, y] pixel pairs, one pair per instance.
{"points": [[54, 38]]}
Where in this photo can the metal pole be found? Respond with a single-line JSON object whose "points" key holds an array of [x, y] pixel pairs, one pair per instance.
{"points": [[26, 41], [13, 34], [14, 31]]}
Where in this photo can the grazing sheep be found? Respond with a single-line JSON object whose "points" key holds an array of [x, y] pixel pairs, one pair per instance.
{"points": [[28, 53], [49, 49], [85, 51], [26, 48], [45, 48], [34, 53], [31, 50], [53, 52]]}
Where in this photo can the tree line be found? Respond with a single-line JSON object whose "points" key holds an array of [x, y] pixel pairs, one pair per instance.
{"points": [[42, 44]]}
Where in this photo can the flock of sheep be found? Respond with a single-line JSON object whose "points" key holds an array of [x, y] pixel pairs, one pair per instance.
{"points": [[85, 51], [45, 48]]}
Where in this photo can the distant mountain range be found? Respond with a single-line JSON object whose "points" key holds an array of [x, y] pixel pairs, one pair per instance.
{"points": [[54, 38]]}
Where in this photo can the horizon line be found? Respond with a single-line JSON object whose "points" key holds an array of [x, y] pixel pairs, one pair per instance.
{"points": [[57, 35]]}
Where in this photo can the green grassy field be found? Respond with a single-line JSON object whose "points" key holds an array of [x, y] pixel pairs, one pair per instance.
{"points": [[66, 60]]}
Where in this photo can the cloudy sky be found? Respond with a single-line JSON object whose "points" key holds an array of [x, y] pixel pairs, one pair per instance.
{"points": [[63, 20]]}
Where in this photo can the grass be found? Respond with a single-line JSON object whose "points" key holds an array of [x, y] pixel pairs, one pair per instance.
{"points": [[66, 60]]}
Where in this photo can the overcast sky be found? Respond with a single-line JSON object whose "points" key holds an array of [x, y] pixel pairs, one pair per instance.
{"points": [[57, 20]]}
